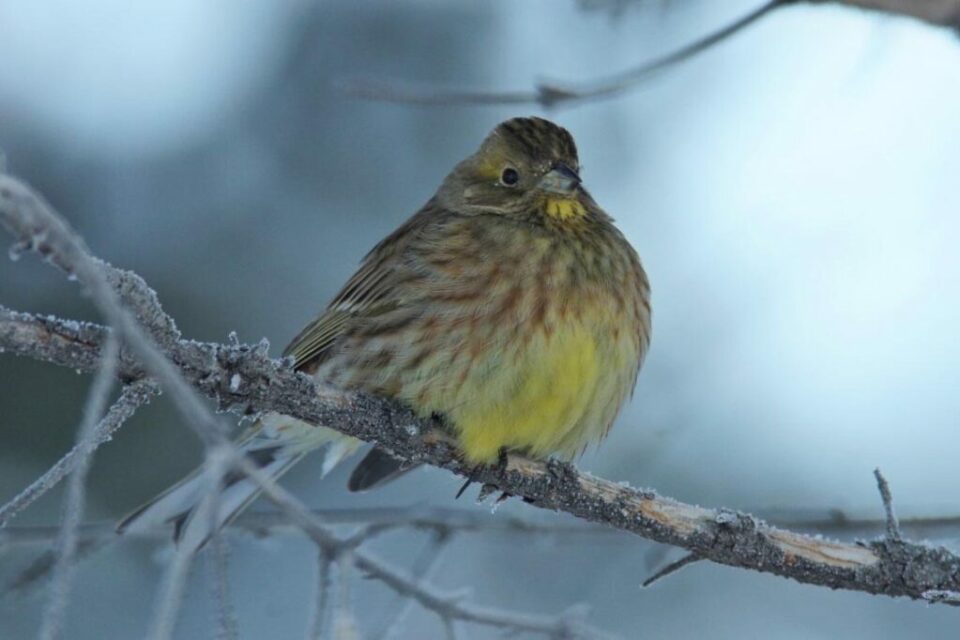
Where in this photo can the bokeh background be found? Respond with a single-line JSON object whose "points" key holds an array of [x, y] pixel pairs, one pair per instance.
{"points": [[793, 194]]}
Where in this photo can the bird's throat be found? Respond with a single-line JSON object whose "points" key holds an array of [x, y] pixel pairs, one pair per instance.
{"points": [[563, 208]]}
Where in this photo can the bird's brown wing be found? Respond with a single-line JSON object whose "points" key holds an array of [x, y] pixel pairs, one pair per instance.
{"points": [[375, 288], [372, 290]]}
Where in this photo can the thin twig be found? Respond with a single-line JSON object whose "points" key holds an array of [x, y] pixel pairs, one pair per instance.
{"points": [[63, 569], [219, 558], [39, 228], [673, 567], [893, 527], [261, 524], [450, 628], [42, 566], [423, 566], [132, 397], [553, 93], [316, 630], [432, 599], [344, 622], [170, 597]]}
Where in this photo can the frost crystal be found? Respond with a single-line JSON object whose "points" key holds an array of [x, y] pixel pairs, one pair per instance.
{"points": [[725, 517], [17, 249], [235, 381]]}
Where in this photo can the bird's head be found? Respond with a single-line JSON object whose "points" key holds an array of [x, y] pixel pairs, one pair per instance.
{"points": [[525, 167]]}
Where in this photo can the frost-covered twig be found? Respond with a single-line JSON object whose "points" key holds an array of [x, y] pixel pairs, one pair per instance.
{"points": [[317, 627], [63, 568], [218, 558], [441, 603], [893, 526], [428, 559], [133, 396], [344, 622], [170, 597], [124, 299]]}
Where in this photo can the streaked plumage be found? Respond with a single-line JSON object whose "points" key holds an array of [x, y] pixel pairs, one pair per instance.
{"points": [[509, 303]]}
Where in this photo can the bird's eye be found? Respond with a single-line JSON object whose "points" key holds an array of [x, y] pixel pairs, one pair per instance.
{"points": [[510, 177]]}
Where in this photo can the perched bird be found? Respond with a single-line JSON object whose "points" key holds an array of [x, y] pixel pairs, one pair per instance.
{"points": [[510, 304]]}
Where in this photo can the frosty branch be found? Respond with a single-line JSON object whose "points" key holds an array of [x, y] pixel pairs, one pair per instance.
{"points": [[244, 379]]}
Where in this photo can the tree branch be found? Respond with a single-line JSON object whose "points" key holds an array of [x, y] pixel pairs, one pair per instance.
{"points": [[890, 567], [939, 13], [556, 93], [553, 93]]}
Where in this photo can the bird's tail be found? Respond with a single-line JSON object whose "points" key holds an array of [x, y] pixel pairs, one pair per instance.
{"points": [[275, 443]]}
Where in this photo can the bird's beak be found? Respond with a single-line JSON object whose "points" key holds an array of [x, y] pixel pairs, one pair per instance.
{"points": [[561, 180]]}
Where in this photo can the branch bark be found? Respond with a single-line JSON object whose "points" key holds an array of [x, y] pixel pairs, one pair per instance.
{"points": [[887, 566]]}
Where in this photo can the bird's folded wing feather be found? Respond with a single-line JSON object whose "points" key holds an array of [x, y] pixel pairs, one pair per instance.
{"points": [[374, 289]]}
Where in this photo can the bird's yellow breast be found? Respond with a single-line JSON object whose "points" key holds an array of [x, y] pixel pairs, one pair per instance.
{"points": [[554, 397]]}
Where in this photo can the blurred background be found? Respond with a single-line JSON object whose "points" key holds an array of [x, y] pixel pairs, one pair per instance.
{"points": [[793, 195]]}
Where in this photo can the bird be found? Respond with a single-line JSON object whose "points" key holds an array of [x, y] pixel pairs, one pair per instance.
{"points": [[509, 304]]}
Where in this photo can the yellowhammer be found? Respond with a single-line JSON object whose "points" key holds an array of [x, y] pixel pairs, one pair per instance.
{"points": [[509, 303]]}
